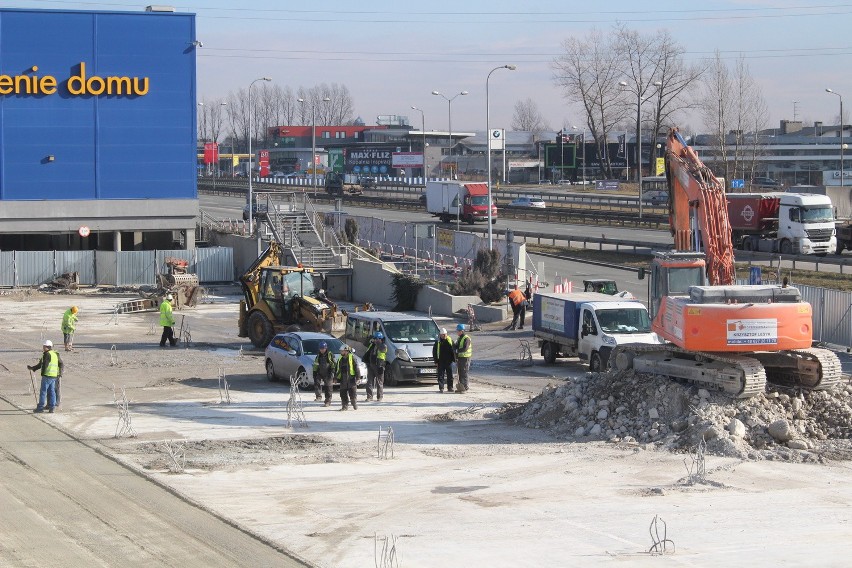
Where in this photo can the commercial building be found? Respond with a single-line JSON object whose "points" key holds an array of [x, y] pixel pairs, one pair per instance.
{"points": [[98, 129]]}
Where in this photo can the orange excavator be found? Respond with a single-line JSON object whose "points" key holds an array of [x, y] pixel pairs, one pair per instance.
{"points": [[721, 335]]}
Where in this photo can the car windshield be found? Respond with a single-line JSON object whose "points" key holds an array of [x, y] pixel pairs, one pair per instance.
{"points": [[414, 331], [817, 214], [297, 283], [479, 200], [624, 320], [311, 346]]}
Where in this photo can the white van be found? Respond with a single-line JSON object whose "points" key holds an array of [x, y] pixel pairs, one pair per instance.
{"points": [[409, 340]]}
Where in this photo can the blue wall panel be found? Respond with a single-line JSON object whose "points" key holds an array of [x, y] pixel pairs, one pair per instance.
{"points": [[105, 146]]}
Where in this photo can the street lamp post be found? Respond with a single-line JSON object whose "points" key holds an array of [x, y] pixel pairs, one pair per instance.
{"points": [[314, 143], [639, 102], [488, 148], [423, 132], [583, 135], [251, 156], [450, 123], [841, 132]]}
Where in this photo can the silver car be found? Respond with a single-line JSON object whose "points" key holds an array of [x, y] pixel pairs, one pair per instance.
{"points": [[294, 353]]}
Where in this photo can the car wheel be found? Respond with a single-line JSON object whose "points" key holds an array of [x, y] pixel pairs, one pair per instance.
{"points": [[270, 372], [260, 329], [302, 381], [493, 221], [548, 351], [786, 247], [595, 363]]}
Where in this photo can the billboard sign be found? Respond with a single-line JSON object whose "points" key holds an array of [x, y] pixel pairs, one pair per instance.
{"points": [[407, 160], [369, 160], [211, 153]]}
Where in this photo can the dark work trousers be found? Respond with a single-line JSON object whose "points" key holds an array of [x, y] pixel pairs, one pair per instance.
{"points": [[376, 380], [445, 375], [322, 384], [168, 334], [349, 391], [520, 312], [463, 364]]}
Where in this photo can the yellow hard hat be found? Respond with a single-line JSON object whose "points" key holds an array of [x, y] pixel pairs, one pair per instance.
{"points": [[74, 309]]}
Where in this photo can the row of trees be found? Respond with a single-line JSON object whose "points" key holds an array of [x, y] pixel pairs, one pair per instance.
{"points": [[627, 77], [235, 116]]}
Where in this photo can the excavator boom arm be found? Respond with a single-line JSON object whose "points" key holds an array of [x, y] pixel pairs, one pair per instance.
{"points": [[694, 190]]}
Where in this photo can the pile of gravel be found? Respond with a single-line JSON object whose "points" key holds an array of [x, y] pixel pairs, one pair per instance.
{"points": [[652, 411]]}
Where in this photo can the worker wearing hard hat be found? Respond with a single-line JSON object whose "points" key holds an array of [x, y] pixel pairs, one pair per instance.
{"points": [[51, 370], [69, 325], [444, 355], [323, 367], [376, 358], [167, 320], [464, 351], [349, 374]]}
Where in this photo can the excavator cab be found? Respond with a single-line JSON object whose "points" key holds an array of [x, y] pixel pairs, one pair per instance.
{"points": [[672, 273]]}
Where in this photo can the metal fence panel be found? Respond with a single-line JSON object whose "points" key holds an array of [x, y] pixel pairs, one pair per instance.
{"points": [[215, 264], [34, 267], [106, 268], [832, 319], [7, 268], [136, 268], [80, 261]]}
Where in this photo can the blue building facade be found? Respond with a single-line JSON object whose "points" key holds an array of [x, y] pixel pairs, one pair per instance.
{"points": [[97, 125]]}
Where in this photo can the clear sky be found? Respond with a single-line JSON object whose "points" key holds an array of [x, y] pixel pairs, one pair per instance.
{"points": [[393, 54]]}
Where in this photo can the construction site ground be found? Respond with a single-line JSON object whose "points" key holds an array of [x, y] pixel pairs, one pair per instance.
{"points": [[464, 486]]}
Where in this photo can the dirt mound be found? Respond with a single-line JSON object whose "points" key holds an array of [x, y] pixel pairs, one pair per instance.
{"points": [[634, 408]]}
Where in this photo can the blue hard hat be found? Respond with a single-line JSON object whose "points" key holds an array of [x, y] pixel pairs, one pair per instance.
{"points": [[379, 335], [323, 345], [460, 327]]}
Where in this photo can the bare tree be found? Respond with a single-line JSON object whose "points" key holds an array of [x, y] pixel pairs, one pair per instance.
{"points": [[733, 107], [588, 72], [528, 117]]}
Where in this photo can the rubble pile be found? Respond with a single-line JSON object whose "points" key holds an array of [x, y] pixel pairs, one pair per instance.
{"points": [[634, 408]]}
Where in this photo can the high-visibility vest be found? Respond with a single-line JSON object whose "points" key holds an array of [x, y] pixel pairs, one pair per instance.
{"points": [[381, 352], [351, 365], [166, 318], [69, 320], [52, 367], [440, 341], [468, 352]]}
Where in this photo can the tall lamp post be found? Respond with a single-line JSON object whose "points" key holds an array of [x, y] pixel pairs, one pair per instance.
{"points": [[251, 156], [488, 148], [450, 123], [423, 132], [314, 143], [639, 102], [841, 132], [583, 135]]}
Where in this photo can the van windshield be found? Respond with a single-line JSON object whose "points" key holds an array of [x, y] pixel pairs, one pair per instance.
{"points": [[624, 320], [413, 331]]}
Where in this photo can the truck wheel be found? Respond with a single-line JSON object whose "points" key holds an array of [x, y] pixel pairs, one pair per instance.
{"points": [[595, 363], [746, 244], [786, 247], [470, 219], [445, 218], [548, 351], [493, 221], [260, 330], [270, 372], [839, 247]]}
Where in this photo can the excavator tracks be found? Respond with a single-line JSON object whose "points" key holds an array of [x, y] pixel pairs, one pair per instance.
{"points": [[738, 376], [812, 369]]}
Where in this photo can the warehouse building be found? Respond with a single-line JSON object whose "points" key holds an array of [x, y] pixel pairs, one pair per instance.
{"points": [[97, 130]]}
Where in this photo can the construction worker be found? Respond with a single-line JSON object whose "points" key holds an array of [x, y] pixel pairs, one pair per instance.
{"points": [[464, 351], [167, 320], [444, 355], [518, 300], [69, 324], [376, 358], [51, 371], [348, 374], [324, 372]]}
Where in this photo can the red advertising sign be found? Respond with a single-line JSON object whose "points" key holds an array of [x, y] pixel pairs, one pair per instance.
{"points": [[211, 153], [263, 162]]}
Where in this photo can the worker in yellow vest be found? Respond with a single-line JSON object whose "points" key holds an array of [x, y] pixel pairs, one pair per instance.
{"points": [[167, 320], [348, 374], [376, 358], [51, 370], [69, 325], [464, 351]]}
